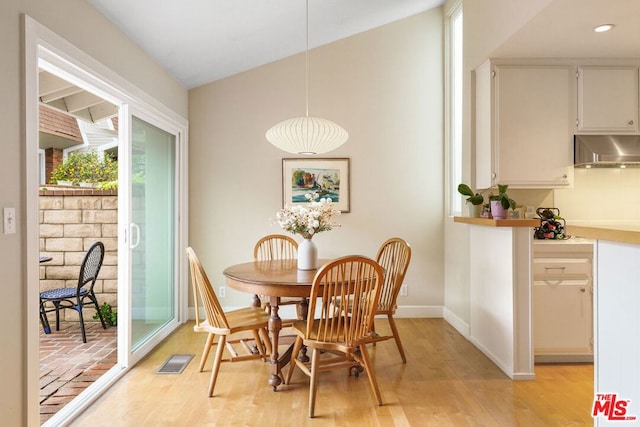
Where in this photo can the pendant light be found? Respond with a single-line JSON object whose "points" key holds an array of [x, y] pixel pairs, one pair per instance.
{"points": [[307, 135]]}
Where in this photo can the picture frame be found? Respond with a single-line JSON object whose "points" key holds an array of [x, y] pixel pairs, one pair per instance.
{"points": [[329, 177]]}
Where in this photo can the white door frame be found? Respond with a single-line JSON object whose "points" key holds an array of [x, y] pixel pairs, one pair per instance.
{"points": [[42, 46]]}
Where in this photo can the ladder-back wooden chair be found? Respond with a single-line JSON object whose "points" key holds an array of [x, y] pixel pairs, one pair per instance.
{"points": [[394, 256], [272, 247], [224, 324], [275, 246], [344, 297]]}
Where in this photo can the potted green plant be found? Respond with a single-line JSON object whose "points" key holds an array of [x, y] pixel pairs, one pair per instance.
{"points": [[109, 315], [474, 199], [500, 203]]}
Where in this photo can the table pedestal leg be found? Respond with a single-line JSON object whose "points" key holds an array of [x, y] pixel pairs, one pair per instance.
{"points": [[255, 301], [275, 325]]}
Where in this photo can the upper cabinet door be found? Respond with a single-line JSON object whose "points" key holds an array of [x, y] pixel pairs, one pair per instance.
{"points": [[533, 132], [607, 99]]}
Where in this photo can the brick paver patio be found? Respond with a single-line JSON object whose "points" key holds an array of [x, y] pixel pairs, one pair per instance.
{"points": [[68, 366]]}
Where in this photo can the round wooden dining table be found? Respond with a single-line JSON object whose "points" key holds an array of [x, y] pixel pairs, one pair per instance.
{"points": [[275, 279]]}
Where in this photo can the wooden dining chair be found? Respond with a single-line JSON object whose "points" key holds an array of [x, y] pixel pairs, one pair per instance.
{"points": [[394, 256], [275, 246], [344, 297], [272, 247], [224, 324]]}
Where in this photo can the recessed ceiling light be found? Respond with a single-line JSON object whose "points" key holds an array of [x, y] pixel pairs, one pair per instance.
{"points": [[604, 27]]}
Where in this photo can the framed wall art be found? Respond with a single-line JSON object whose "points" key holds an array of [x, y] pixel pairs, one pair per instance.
{"points": [[327, 177]]}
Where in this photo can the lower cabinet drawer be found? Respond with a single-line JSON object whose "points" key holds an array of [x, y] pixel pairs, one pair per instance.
{"points": [[545, 267]]}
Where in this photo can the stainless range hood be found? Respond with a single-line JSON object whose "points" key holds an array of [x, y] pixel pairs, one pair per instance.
{"points": [[606, 151]]}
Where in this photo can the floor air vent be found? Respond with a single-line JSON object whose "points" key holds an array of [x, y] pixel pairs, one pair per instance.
{"points": [[175, 364]]}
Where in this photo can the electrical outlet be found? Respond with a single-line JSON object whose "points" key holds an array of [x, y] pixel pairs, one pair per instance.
{"points": [[222, 292], [9, 220], [403, 290]]}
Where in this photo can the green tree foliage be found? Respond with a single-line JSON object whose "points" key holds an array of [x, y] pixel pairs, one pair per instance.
{"points": [[86, 167]]}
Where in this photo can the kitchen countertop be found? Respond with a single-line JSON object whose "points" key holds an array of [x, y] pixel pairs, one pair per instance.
{"points": [[596, 230], [614, 232], [497, 222]]}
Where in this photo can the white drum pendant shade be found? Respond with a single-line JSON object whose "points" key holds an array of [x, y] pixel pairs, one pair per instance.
{"points": [[307, 135]]}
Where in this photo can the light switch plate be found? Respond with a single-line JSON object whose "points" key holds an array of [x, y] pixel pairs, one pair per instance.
{"points": [[9, 215]]}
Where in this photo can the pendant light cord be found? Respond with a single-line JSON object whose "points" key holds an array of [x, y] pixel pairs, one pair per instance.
{"points": [[306, 63]]}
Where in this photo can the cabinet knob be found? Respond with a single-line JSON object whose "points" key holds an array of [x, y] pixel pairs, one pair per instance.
{"points": [[564, 176], [583, 290], [630, 122]]}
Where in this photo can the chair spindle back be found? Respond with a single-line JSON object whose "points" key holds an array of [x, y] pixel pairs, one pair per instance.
{"points": [[203, 292], [345, 292], [275, 246], [394, 256]]}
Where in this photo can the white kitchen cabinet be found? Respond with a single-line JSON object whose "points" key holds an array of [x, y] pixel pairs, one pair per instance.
{"points": [[563, 320], [607, 99], [524, 125], [563, 301]]}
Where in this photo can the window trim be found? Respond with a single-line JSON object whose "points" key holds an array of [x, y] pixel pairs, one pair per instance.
{"points": [[453, 202]]}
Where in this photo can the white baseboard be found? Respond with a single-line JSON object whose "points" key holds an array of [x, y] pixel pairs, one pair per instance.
{"points": [[508, 370], [460, 325], [518, 377]]}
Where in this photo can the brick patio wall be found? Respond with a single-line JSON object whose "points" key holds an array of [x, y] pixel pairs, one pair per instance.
{"points": [[71, 220]]}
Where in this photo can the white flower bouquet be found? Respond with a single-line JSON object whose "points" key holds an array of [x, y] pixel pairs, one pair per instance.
{"points": [[314, 217]]}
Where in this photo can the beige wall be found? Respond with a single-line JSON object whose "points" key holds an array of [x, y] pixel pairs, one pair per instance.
{"points": [[81, 25], [385, 87]]}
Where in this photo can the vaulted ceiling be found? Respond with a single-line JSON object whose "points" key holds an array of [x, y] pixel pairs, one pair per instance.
{"points": [[200, 41]]}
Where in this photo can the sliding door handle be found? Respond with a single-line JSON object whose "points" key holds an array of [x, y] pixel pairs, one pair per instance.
{"points": [[134, 227]]}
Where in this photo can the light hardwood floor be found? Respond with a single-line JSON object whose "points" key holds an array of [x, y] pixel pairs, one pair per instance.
{"points": [[446, 382]]}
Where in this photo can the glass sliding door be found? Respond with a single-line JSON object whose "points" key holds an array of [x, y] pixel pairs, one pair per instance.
{"points": [[153, 220], [151, 204]]}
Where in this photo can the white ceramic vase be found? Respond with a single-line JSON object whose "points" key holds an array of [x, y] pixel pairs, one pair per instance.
{"points": [[307, 255]]}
